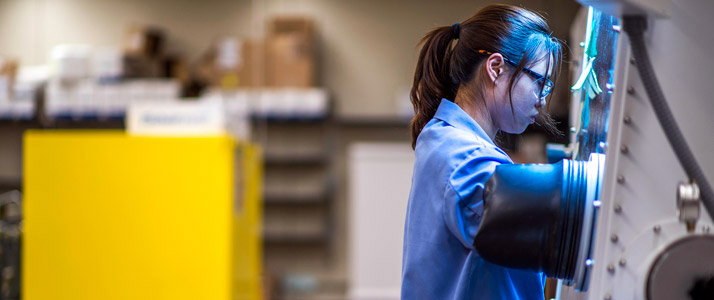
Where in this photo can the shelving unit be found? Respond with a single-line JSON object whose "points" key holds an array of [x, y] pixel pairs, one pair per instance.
{"points": [[299, 154], [10, 184], [309, 159], [274, 198]]}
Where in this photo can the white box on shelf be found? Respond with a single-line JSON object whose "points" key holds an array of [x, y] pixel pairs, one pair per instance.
{"points": [[291, 102], [237, 108], [314, 103], [71, 62], [107, 64]]}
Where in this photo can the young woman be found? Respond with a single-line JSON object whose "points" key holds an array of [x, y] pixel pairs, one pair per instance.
{"points": [[490, 73]]}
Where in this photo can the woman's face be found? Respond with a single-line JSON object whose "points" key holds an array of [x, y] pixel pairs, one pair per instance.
{"points": [[524, 96]]}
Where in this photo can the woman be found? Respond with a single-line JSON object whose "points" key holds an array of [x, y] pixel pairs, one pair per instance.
{"points": [[488, 74]]}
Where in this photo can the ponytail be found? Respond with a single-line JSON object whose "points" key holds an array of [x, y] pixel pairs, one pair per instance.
{"points": [[517, 33], [431, 78]]}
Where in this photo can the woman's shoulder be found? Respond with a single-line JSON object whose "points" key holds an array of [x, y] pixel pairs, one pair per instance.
{"points": [[456, 144]]}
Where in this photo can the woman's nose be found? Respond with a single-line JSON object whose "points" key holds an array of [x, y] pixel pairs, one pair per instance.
{"points": [[540, 103]]}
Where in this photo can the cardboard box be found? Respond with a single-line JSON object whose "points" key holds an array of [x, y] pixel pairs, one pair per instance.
{"points": [[233, 63], [8, 67], [144, 41], [140, 66], [8, 72], [174, 67], [291, 53], [252, 72]]}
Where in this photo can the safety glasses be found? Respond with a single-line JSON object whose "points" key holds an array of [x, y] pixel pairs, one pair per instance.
{"points": [[540, 80]]}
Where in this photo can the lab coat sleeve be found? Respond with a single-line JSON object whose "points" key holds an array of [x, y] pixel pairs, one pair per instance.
{"points": [[463, 194]]}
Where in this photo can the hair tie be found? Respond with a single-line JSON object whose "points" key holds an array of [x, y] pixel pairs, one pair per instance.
{"points": [[455, 30]]}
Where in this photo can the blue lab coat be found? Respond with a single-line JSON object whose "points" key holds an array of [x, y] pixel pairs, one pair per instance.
{"points": [[454, 158]]}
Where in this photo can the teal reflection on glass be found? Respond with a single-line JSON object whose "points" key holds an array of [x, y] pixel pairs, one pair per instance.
{"points": [[595, 83]]}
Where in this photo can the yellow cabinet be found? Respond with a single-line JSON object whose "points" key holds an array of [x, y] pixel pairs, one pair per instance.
{"points": [[111, 216]]}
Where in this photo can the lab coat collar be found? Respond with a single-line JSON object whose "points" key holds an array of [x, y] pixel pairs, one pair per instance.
{"points": [[451, 113]]}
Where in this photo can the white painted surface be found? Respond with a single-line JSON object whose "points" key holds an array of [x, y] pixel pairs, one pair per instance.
{"points": [[379, 182]]}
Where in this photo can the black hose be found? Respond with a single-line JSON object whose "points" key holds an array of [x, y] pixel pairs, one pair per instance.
{"points": [[634, 27]]}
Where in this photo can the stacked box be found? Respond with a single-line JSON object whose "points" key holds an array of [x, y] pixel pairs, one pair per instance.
{"points": [[8, 71], [291, 53]]}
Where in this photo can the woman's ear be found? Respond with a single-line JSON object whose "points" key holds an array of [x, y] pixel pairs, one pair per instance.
{"points": [[494, 66]]}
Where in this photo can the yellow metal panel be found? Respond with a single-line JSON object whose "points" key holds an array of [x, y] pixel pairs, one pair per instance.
{"points": [[248, 248], [110, 216]]}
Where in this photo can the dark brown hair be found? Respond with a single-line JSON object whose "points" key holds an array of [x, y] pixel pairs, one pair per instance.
{"points": [[450, 57]]}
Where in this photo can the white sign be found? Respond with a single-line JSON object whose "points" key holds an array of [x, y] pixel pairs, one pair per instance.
{"points": [[176, 118]]}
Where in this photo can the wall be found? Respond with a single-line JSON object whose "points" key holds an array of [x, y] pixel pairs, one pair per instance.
{"points": [[367, 48], [30, 28]]}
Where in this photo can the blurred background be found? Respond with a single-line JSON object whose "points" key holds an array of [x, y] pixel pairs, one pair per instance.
{"points": [[244, 149]]}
